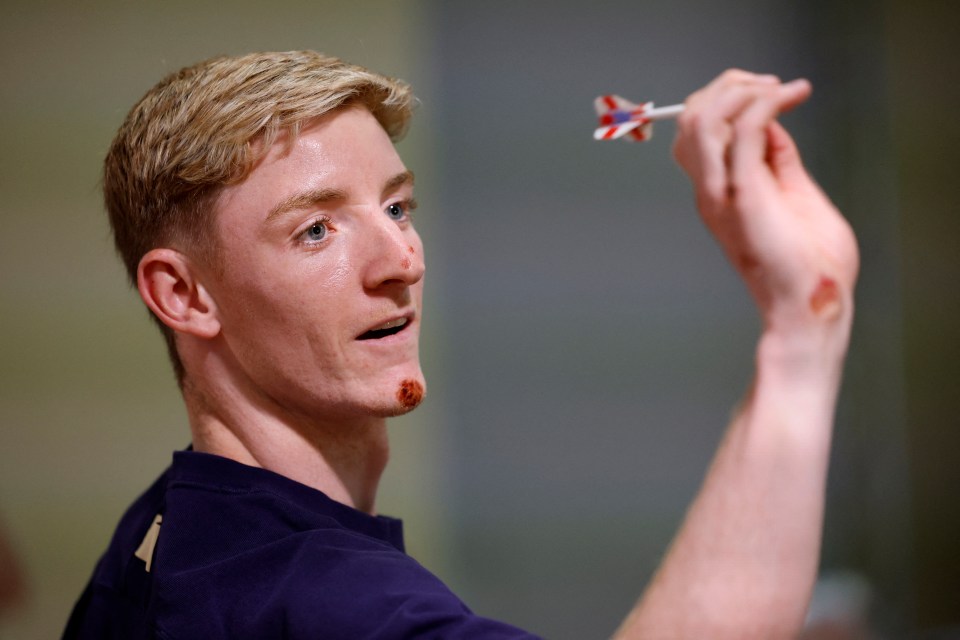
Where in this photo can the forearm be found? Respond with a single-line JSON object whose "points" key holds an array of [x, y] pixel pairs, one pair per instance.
{"points": [[744, 561]]}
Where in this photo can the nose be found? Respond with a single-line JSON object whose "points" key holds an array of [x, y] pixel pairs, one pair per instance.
{"points": [[395, 254]]}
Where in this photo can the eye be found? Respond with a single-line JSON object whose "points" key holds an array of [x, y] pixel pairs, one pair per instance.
{"points": [[400, 211], [316, 232]]}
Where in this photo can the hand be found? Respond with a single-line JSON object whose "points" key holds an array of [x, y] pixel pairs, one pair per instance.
{"points": [[796, 253]]}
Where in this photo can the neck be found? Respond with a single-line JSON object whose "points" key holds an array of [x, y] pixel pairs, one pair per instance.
{"points": [[343, 458]]}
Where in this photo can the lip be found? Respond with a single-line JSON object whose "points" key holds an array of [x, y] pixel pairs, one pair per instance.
{"points": [[407, 319]]}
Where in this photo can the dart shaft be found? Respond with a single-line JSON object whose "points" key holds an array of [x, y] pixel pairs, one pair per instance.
{"points": [[663, 113]]}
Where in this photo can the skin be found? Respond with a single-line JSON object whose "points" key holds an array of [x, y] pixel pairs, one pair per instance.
{"points": [[277, 378], [744, 562], [318, 249]]}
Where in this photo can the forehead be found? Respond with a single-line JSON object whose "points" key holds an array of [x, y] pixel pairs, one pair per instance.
{"points": [[347, 150]]}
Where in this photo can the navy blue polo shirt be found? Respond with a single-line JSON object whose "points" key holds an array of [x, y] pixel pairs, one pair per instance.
{"points": [[219, 549]]}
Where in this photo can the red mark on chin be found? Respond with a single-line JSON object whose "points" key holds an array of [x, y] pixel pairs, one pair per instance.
{"points": [[825, 299], [410, 394]]}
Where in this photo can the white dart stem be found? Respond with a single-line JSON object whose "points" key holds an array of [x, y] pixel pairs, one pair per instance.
{"points": [[662, 113]]}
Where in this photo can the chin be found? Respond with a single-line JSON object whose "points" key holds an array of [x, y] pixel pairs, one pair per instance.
{"points": [[405, 396]]}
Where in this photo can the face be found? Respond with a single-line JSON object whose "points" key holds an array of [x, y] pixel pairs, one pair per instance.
{"points": [[320, 287]]}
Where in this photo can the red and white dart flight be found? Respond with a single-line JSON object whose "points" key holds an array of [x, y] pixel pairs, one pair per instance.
{"points": [[620, 117]]}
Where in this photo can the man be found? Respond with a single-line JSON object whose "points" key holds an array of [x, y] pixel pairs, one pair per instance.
{"points": [[264, 215]]}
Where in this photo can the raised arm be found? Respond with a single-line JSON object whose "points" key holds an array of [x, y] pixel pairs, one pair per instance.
{"points": [[745, 559]]}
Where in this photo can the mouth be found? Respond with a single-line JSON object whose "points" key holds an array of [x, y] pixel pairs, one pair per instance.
{"points": [[388, 328]]}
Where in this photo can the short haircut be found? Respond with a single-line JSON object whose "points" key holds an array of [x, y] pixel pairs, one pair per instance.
{"points": [[205, 127]]}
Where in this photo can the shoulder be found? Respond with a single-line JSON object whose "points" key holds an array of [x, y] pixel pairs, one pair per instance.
{"points": [[242, 553], [331, 584], [114, 602]]}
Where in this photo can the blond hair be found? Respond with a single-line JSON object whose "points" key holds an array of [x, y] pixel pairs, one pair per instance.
{"points": [[206, 126]]}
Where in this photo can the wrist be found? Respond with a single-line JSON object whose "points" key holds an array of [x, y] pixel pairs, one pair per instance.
{"points": [[802, 348], [798, 373], [809, 332]]}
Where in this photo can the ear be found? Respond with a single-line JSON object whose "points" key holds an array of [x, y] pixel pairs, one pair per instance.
{"points": [[171, 287]]}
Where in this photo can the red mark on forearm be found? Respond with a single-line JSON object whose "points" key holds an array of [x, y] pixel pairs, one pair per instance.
{"points": [[825, 299], [410, 393]]}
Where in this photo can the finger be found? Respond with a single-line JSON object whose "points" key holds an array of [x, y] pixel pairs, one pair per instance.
{"points": [[749, 148], [731, 80], [783, 158], [739, 76], [785, 162], [708, 95], [706, 131]]}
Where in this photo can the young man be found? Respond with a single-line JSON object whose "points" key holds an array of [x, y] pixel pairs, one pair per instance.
{"points": [[264, 215]]}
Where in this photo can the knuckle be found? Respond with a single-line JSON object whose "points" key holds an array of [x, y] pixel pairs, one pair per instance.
{"points": [[743, 125], [713, 194], [689, 120], [750, 121], [719, 129], [735, 74], [695, 100]]}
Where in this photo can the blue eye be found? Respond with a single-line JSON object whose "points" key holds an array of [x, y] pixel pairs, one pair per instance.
{"points": [[401, 211], [315, 232]]}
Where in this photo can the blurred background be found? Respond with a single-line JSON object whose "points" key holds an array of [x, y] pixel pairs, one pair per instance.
{"points": [[585, 341]]}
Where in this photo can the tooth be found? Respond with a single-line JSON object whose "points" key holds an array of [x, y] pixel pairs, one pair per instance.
{"points": [[399, 322]]}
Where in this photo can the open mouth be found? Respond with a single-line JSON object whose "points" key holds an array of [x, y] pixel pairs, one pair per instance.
{"points": [[386, 329]]}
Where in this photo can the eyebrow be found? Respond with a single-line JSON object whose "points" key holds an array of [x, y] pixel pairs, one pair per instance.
{"points": [[313, 197], [303, 200], [399, 180]]}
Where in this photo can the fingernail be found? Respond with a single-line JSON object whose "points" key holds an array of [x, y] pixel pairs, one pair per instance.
{"points": [[768, 77]]}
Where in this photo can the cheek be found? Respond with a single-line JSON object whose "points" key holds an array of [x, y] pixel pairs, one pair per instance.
{"points": [[279, 304], [327, 270], [284, 336]]}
